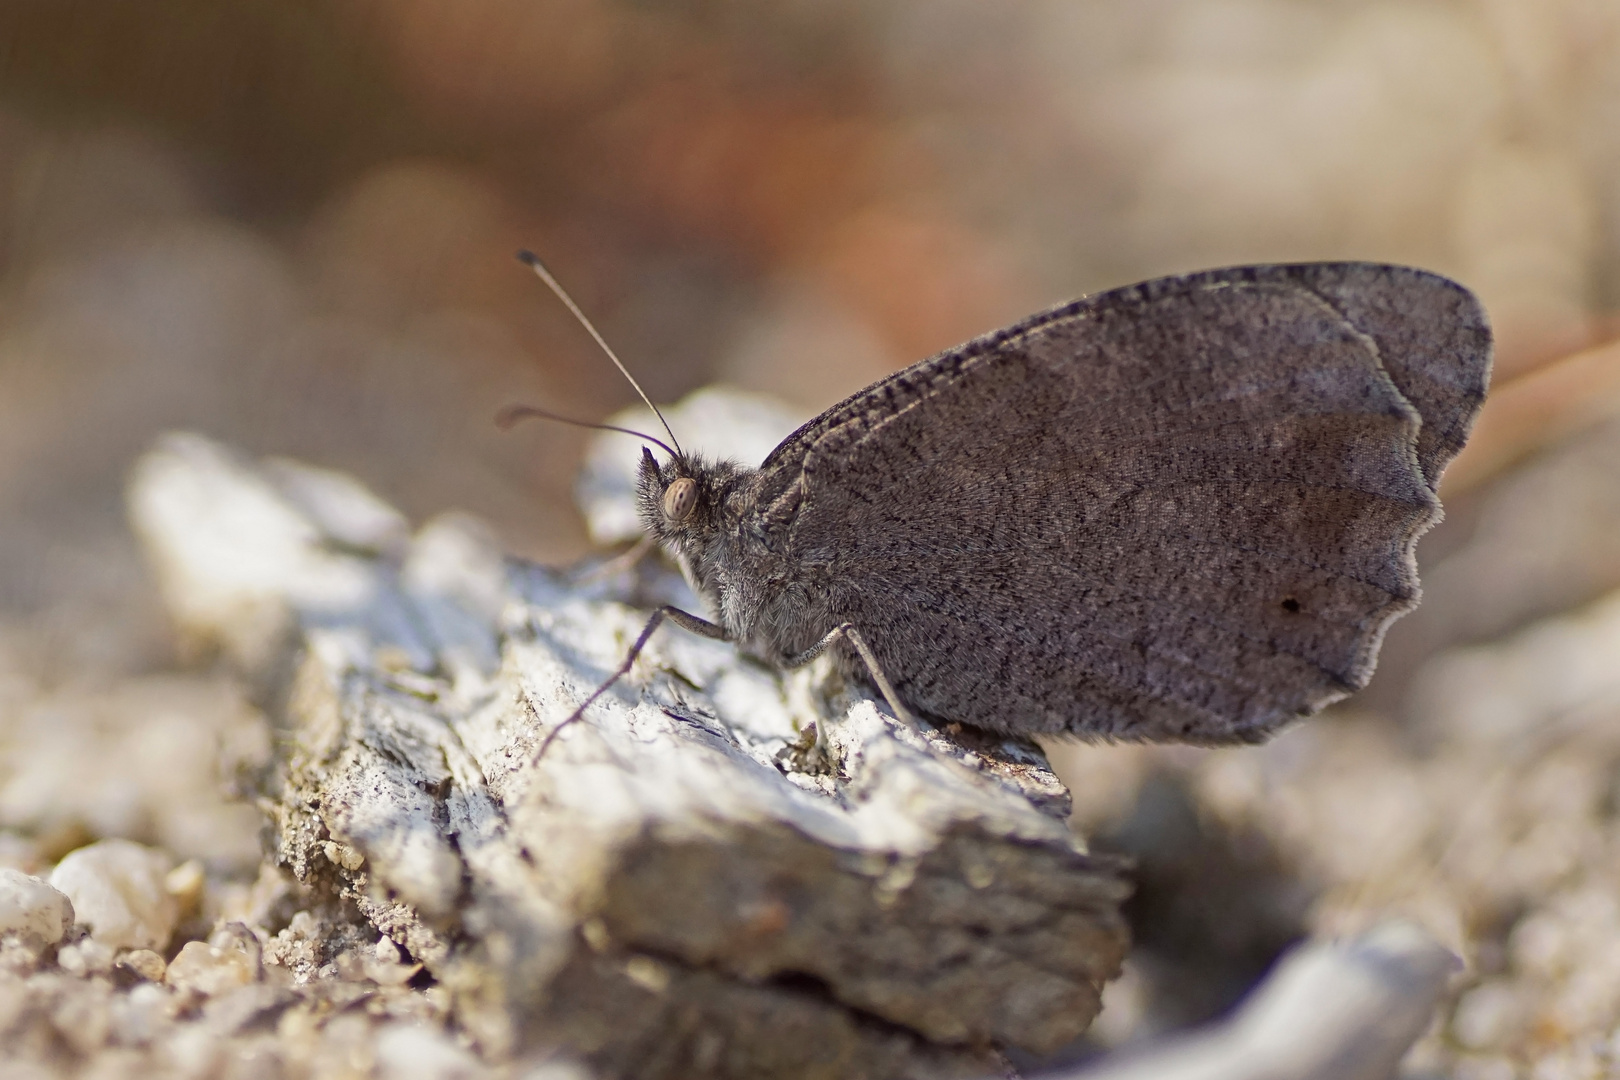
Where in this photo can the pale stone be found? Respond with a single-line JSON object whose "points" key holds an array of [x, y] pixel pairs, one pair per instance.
{"points": [[145, 963], [118, 891], [32, 909], [140, 1015], [408, 1052], [185, 883], [386, 966], [672, 813], [210, 969], [1489, 1016], [86, 957]]}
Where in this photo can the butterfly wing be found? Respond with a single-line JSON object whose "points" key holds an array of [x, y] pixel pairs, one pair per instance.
{"points": [[1180, 510]]}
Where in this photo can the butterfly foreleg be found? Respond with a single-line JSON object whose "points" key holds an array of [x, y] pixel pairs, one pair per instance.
{"points": [[847, 632], [683, 619]]}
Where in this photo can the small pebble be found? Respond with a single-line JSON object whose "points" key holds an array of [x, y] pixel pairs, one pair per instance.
{"points": [[386, 951], [211, 969], [1489, 1016], [87, 957], [343, 855], [141, 1014], [145, 963], [648, 973], [118, 891], [32, 909], [84, 1020], [392, 974], [555, 1070], [185, 883], [386, 965], [410, 1052]]}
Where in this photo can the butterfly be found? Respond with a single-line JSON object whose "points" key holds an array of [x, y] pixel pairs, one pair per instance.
{"points": [[1182, 510]]}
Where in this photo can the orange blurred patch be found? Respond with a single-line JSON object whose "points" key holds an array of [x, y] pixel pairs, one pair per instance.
{"points": [[922, 281], [1537, 410], [767, 175], [495, 64], [411, 235]]}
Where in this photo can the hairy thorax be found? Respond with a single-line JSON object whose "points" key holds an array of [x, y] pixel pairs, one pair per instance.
{"points": [[765, 601]]}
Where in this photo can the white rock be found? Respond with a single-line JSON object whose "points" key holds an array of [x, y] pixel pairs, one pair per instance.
{"points": [[144, 963], [556, 1070], [1489, 1015], [32, 908], [117, 889], [185, 883], [87, 957], [211, 969], [231, 552], [341, 507], [139, 1016], [422, 1053]]}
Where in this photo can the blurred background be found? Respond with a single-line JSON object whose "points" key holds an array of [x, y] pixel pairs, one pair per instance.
{"points": [[291, 225]]}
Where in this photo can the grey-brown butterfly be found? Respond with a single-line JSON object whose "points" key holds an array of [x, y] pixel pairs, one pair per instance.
{"points": [[1181, 510]]}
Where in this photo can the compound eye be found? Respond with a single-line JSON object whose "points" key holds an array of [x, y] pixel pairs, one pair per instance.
{"points": [[679, 498]]}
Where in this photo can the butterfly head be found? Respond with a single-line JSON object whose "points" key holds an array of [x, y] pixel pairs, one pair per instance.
{"points": [[688, 505], [681, 500]]}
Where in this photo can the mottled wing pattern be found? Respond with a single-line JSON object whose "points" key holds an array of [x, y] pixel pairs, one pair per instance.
{"points": [[1180, 510]]}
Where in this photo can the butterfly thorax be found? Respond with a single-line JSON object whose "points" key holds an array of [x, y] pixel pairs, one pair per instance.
{"points": [[698, 510]]}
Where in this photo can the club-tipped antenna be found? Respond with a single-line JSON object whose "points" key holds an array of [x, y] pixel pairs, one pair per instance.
{"points": [[511, 414], [532, 261]]}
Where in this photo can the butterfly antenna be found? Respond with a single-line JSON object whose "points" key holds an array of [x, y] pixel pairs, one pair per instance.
{"points": [[533, 262], [511, 414]]}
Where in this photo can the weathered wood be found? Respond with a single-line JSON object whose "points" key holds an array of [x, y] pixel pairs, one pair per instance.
{"points": [[685, 884]]}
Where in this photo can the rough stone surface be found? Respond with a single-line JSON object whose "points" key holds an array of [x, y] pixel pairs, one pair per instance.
{"points": [[686, 882]]}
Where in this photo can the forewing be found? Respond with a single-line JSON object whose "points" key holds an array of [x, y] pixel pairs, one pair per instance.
{"points": [[1185, 509]]}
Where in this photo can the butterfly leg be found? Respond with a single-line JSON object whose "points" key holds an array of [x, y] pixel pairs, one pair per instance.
{"points": [[847, 632], [683, 619]]}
